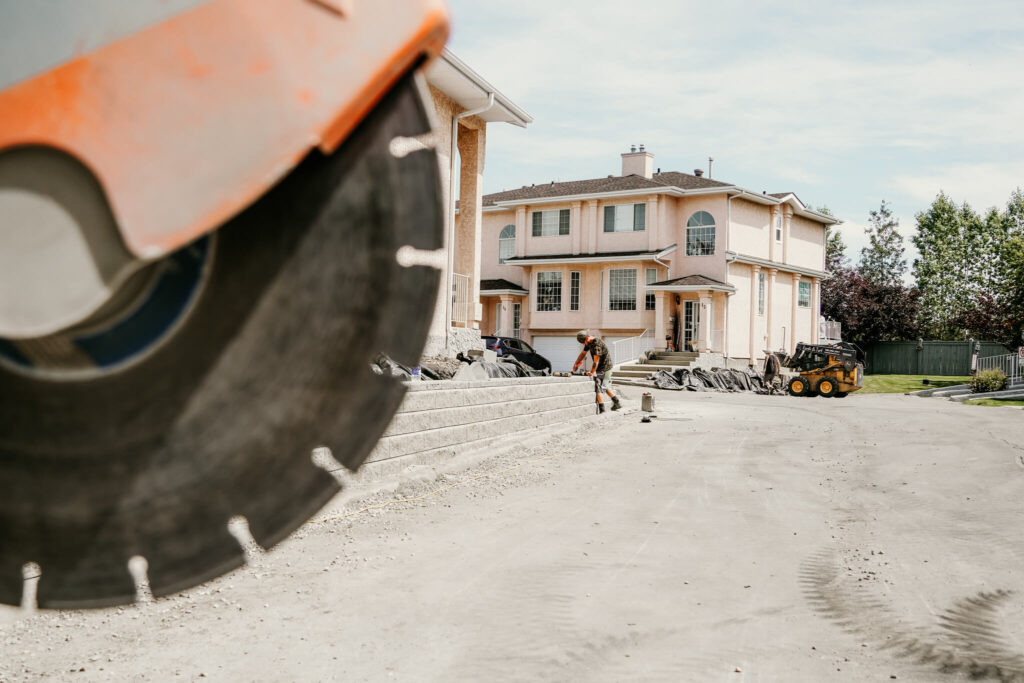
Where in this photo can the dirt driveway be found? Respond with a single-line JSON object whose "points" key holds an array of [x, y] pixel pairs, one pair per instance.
{"points": [[734, 538]]}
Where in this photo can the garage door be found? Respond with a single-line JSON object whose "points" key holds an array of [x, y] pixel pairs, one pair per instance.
{"points": [[561, 351]]}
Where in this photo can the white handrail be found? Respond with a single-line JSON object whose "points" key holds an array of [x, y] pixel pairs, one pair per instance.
{"points": [[1010, 364], [625, 350]]}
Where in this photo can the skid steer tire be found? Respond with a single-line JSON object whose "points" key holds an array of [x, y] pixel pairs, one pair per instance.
{"points": [[797, 387], [827, 388], [842, 394]]}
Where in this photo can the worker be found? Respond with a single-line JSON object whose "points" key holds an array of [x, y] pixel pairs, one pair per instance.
{"points": [[602, 368]]}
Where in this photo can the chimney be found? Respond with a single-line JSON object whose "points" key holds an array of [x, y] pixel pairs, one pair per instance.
{"points": [[698, 172], [638, 162]]}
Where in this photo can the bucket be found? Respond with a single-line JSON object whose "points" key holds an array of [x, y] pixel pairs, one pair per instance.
{"points": [[647, 402]]}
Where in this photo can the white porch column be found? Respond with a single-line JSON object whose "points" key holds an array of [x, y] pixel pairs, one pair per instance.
{"points": [[754, 271], [659, 321], [588, 236], [772, 272], [521, 231], [575, 225], [796, 301], [505, 324], [652, 227], [773, 211], [787, 218], [705, 324]]}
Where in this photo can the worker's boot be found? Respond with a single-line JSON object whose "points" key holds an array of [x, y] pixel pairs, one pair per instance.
{"points": [[600, 408], [616, 404]]}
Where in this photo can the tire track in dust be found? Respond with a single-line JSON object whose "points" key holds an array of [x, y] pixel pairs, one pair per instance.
{"points": [[967, 638], [530, 628]]}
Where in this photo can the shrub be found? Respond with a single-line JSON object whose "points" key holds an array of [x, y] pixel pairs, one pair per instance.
{"points": [[988, 380]]}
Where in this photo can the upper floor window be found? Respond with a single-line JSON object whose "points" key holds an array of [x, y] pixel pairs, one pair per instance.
{"points": [[551, 223], [700, 234], [760, 293], [804, 295], [778, 228], [506, 243], [549, 290], [649, 301], [622, 289], [625, 217]]}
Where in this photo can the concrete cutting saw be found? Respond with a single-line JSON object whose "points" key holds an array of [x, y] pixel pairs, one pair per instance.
{"points": [[199, 217]]}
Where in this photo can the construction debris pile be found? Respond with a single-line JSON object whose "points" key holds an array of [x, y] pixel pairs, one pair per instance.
{"points": [[715, 379]]}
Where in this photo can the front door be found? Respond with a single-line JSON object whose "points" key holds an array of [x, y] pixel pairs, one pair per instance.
{"points": [[691, 325]]}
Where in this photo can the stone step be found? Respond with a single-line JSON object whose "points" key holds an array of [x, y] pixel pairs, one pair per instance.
{"points": [[427, 395], [432, 439], [651, 367], [447, 414], [675, 354], [407, 422]]}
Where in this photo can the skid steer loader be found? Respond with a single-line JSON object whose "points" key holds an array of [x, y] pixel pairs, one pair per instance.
{"points": [[199, 217], [826, 370]]}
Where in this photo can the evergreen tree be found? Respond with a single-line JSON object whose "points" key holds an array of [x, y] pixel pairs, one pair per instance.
{"points": [[882, 262], [940, 269]]}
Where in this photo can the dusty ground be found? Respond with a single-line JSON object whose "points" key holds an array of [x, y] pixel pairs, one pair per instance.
{"points": [[734, 538]]}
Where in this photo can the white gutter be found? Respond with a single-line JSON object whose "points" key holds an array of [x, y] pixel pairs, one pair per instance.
{"points": [[451, 210], [731, 256], [664, 252], [691, 288]]}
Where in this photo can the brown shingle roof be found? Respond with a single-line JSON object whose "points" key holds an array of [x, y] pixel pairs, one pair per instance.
{"points": [[572, 257], [692, 280], [599, 185], [490, 285]]}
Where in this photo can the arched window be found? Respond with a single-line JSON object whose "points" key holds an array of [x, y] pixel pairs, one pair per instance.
{"points": [[507, 243], [700, 234]]}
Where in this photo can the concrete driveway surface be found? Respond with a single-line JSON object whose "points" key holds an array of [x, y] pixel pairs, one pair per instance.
{"points": [[734, 538]]}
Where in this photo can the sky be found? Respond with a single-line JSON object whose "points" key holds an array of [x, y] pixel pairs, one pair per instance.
{"points": [[844, 104]]}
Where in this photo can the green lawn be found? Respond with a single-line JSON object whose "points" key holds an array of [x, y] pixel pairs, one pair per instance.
{"points": [[901, 384], [995, 402]]}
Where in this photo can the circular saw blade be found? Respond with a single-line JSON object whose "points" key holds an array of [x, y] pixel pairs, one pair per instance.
{"points": [[154, 459]]}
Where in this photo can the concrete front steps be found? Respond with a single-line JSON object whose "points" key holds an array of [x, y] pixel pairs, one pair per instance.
{"points": [[636, 372], [438, 418], [962, 392]]}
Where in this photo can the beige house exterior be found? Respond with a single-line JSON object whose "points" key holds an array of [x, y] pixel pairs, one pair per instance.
{"points": [[709, 265], [464, 104]]}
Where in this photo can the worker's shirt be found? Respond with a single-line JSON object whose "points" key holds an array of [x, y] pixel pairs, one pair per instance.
{"points": [[600, 349]]}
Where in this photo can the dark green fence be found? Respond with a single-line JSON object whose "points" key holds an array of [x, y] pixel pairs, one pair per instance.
{"points": [[927, 358]]}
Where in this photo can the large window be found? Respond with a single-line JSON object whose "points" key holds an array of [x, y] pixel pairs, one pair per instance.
{"points": [[700, 234], [760, 293], [506, 243], [574, 290], [649, 301], [625, 218], [622, 289], [804, 296], [549, 291], [551, 223], [517, 312]]}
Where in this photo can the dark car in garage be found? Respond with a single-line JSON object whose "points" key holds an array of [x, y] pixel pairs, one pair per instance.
{"points": [[505, 346]]}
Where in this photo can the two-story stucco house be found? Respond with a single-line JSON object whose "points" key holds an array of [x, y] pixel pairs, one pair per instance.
{"points": [[703, 264]]}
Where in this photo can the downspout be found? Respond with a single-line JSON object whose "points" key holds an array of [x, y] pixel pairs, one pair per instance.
{"points": [[451, 211]]}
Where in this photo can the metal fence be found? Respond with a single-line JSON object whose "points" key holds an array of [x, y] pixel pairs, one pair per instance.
{"points": [[1010, 364], [926, 358], [625, 350], [830, 330]]}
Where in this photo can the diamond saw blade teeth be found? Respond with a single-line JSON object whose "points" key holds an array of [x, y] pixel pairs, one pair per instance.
{"points": [[271, 361]]}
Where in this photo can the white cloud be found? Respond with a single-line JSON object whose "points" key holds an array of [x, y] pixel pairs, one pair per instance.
{"points": [[982, 185]]}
